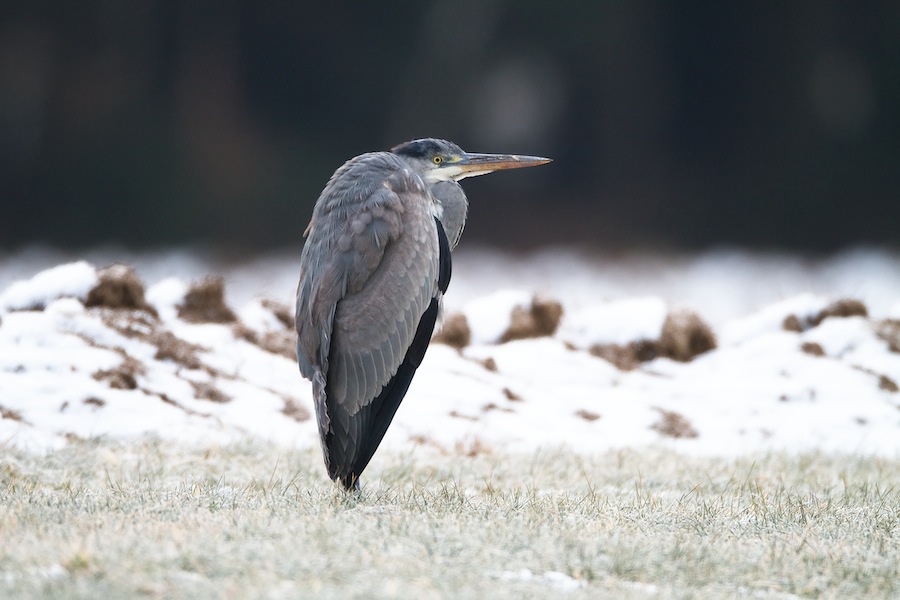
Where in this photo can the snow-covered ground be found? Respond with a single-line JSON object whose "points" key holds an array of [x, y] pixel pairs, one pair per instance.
{"points": [[790, 368]]}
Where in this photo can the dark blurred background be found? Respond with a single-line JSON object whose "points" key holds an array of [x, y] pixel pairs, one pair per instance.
{"points": [[673, 125]]}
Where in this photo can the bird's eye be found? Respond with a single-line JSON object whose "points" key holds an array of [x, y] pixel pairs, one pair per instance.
{"points": [[437, 160]]}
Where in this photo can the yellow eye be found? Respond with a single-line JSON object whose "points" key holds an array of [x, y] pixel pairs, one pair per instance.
{"points": [[437, 160]]}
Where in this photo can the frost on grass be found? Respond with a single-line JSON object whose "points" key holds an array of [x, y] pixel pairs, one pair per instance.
{"points": [[248, 520]]}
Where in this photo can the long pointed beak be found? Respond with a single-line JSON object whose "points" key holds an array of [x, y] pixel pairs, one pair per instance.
{"points": [[473, 164]]}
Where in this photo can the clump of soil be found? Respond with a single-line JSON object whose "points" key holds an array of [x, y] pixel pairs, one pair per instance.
{"points": [[119, 287], [488, 363], [281, 311], [889, 331], [511, 395], [454, 332], [171, 347], [887, 384], [205, 303], [629, 356], [123, 377], [672, 424], [587, 415], [685, 335], [471, 448], [494, 406], [279, 342], [282, 342], [540, 319], [94, 401], [812, 348], [208, 391], [792, 323], [847, 307], [294, 411], [8, 413], [130, 323], [459, 415]]}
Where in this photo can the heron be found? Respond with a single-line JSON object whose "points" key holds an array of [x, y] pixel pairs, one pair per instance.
{"points": [[373, 272]]}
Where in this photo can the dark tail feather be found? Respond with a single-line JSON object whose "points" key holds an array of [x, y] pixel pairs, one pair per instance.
{"points": [[388, 401]]}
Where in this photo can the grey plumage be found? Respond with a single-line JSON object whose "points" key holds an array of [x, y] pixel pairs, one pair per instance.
{"points": [[372, 273]]}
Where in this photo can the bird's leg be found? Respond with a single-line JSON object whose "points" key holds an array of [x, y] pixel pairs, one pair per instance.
{"points": [[351, 483]]}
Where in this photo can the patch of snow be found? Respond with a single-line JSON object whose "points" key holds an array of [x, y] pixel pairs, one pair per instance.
{"points": [[68, 369], [561, 581], [71, 280], [771, 318], [894, 312], [166, 295], [257, 316], [554, 579], [616, 322], [489, 316]]}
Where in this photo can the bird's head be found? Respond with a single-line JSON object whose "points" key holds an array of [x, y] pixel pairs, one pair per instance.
{"points": [[439, 160]]}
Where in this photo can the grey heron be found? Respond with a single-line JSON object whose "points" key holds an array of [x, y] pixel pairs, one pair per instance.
{"points": [[372, 274]]}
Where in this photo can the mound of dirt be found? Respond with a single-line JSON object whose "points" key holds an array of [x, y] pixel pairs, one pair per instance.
{"points": [[792, 323], [295, 411], [208, 391], [629, 356], [685, 335], [171, 347], [123, 377], [671, 424], [205, 303], [282, 312], [283, 342], [847, 307], [119, 288], [454, 332], [812, 348], [889, 331], [587, 415], [540, 319]]}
